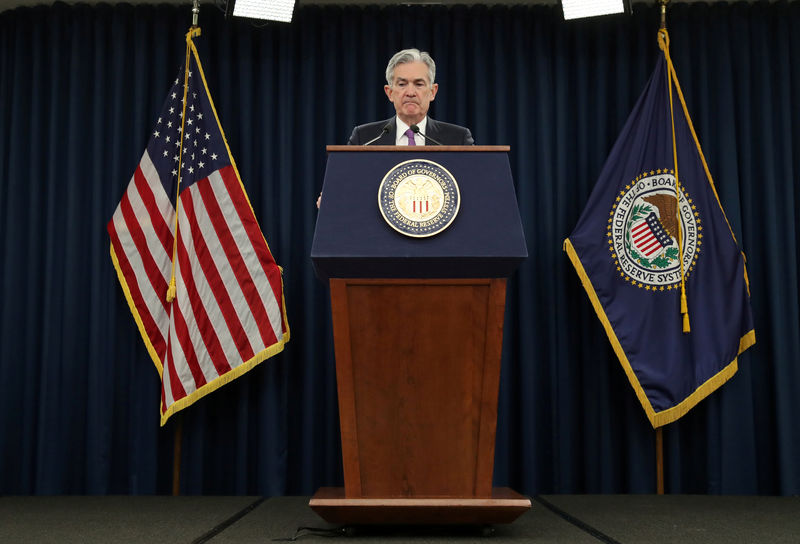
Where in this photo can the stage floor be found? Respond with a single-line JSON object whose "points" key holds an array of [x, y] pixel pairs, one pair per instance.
{"points": [[639, 519]]}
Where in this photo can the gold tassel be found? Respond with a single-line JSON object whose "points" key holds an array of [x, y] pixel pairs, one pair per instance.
{"points": [[685, 310], [171, 290]]}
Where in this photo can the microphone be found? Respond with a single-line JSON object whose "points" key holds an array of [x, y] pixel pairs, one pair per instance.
{"points": [[384, 130], [416, 130]]}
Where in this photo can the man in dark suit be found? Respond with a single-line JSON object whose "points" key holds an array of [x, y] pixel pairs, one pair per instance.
{"points": [[410, 77]]}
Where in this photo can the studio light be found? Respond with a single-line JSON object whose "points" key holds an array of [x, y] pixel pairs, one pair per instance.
{"points": [[578, 9], [265, 10]]}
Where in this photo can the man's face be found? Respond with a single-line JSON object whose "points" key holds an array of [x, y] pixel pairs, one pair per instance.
{"points": [[411, 91]]}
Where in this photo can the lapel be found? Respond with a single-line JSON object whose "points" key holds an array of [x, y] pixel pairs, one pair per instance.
{"points": [[433, 129]]}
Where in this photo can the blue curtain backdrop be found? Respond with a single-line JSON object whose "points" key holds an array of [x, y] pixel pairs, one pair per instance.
{"points": [[80, 88]]}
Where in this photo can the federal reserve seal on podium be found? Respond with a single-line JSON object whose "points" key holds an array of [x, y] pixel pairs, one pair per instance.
{"points": [[419, 198]]}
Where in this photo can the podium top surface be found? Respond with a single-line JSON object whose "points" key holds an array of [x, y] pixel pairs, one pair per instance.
{"points": [[418, 148]]}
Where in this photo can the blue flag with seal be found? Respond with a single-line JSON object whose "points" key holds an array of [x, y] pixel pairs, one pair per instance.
{"points": [[658, 258]]}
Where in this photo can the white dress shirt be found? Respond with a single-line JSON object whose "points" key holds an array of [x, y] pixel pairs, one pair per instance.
{"points": [[402, 139]]}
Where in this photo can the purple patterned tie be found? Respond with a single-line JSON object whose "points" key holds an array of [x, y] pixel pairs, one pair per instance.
{"points": [[410, 134]]}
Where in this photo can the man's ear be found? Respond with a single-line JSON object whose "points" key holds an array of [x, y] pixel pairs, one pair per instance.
{"points": [[434, 88], [388, 91]]}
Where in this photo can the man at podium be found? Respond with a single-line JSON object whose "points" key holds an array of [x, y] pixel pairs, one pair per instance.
{"points": [[410, 77], [418, 292]]}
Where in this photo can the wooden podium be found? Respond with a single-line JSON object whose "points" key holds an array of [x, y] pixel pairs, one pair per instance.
{"points": [[418, 330]]}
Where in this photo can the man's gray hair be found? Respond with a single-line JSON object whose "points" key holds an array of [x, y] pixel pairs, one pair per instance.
{"points": [[410, 55]]}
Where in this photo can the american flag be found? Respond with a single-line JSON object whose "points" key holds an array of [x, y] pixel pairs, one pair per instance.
{"points": [[228, 313]]}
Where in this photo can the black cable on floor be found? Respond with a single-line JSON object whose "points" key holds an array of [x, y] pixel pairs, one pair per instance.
{"points": [[599, 535], [304, 531], [228, 522]]}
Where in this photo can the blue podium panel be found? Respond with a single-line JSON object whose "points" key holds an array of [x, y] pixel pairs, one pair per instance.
{"points": [[352, 239]]}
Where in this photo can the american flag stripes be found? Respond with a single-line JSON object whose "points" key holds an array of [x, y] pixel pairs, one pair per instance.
{"points": [[649, 237], [228, 313]]}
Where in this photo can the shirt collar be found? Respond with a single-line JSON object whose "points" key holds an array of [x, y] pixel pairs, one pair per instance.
{"points": [[400, 135]]}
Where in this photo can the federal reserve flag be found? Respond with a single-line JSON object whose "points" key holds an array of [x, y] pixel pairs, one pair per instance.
{"points": [[659, 260], [199, 278]]}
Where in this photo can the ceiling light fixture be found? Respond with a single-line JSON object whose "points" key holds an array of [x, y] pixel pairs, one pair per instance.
{"points": [[264, 10], [579, 9]]}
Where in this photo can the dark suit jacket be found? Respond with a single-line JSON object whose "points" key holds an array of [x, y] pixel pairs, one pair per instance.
{"points": [[444, 133]]}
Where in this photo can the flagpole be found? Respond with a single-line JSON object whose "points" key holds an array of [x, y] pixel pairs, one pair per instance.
{"points": [[195, 12], [660, 460], [176, 456], [660, 430], [178, 436]]}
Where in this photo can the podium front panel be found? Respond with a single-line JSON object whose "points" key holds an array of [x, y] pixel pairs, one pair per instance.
{"points": [[353, 240], [417, 370]]}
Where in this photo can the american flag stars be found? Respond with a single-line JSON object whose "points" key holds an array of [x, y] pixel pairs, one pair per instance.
{"points": [[184, 141]]}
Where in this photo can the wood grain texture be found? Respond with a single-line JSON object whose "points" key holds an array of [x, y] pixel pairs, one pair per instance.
{"points": [[344, 384], [418, 365]]}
